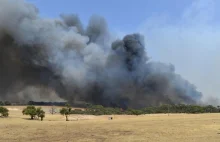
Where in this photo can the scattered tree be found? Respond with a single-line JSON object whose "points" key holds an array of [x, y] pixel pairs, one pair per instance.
{"points": [[4, 112], [30, 110], [40, 113], [53, 110], [33, 112], [66, 111]]}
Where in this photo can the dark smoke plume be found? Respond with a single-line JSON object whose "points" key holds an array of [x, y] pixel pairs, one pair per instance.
{"points": [[45, 59]]}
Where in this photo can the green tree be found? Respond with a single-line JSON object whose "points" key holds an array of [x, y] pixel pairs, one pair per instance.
{"points": [[66, 111], [30, 110], [4, 112], [33, 112], [40, 113]]}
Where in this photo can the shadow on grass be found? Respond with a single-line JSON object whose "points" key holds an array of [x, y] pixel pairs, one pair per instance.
{"points": [[30, 119], [39, 119]]}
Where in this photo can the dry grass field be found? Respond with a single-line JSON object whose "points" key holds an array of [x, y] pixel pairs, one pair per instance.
{"points": [[144, 128]]}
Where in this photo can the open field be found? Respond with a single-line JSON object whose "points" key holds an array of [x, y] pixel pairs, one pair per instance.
{"points": [[146, 128]]}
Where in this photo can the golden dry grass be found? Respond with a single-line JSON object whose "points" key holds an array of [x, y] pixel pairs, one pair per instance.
{"points": [[145, 128]]}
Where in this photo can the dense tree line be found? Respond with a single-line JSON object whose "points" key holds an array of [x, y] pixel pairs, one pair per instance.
{"points": [[180, 108], [46, 103]]}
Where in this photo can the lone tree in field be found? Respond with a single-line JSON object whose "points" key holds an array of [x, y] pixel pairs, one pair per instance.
{"points": [[33, 112], [66, 111], [30, 110], [53, 110], [4, 112]]}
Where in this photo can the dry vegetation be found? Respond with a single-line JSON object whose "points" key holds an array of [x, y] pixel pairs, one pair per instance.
{"points": [[147, 128]]}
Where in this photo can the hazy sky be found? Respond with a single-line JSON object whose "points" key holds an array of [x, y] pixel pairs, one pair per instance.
{"points": [[182, 32]]}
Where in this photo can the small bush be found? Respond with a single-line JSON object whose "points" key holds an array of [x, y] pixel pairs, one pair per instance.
{"points": [[4, 112]]}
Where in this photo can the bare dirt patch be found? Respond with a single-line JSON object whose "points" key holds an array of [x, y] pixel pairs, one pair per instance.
{"points": [[13, 109]]}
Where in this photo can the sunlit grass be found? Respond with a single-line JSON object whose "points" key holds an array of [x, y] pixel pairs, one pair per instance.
{"points": [[146, 128]]}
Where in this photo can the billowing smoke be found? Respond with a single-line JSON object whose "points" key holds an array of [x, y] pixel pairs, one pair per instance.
{"points": [[50, 59]]}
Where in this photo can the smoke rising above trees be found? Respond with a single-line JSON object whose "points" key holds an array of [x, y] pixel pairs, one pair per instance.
{"points": [[60, 59]]}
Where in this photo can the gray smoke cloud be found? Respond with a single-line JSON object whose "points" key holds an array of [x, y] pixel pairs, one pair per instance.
{"points": [[46, 59]]}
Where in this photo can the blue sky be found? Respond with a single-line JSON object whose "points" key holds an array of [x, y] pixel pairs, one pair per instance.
{"points": [[125, 15], [182, 32]]}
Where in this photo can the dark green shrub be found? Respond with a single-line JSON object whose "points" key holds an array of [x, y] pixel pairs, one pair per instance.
{"points": [[4, 112]]}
